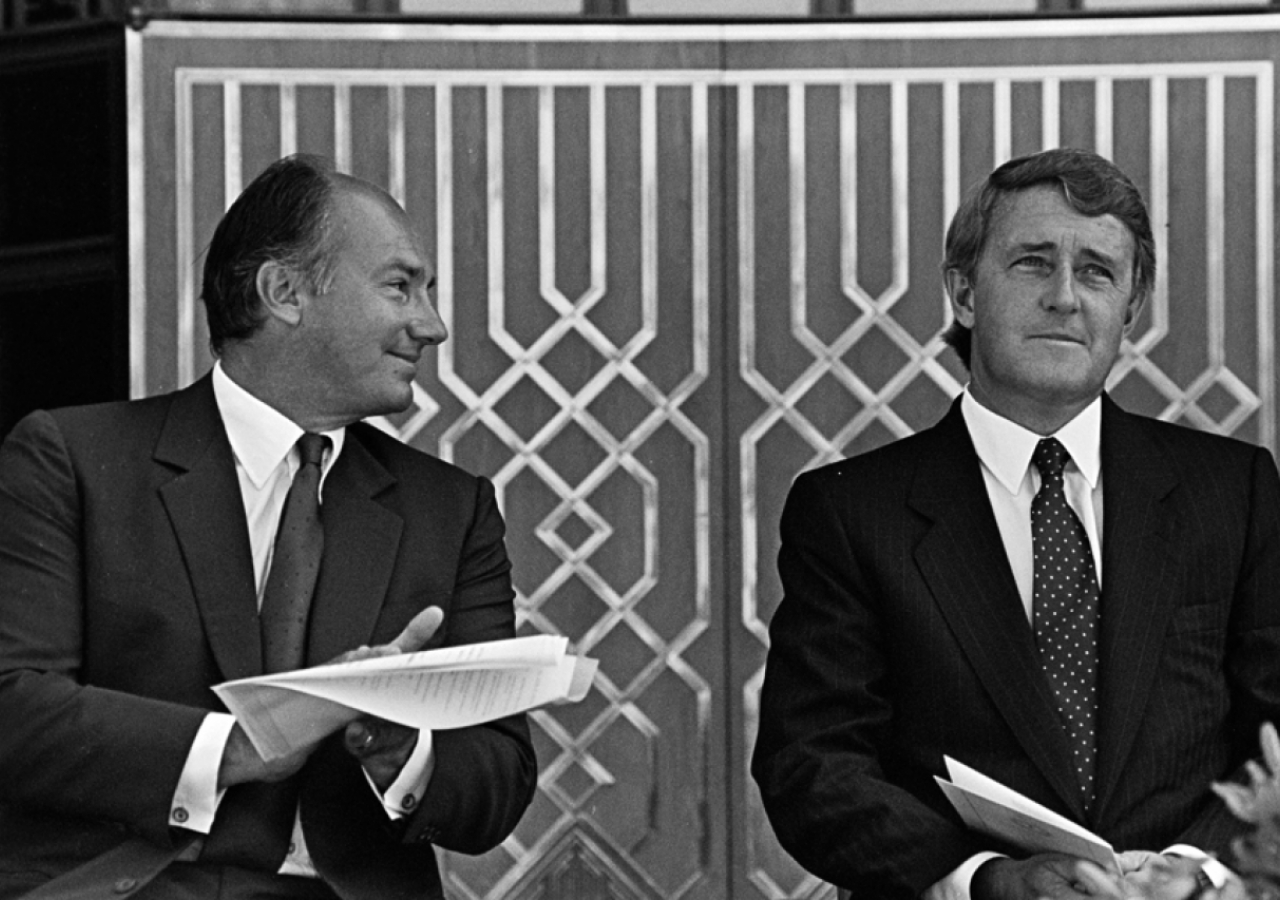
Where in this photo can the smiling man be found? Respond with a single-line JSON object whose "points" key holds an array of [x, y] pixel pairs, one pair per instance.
{"points": [[250, 523], [1079, 602]]}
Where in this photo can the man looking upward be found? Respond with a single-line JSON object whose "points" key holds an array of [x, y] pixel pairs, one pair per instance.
{"points": [[1081, 603]]}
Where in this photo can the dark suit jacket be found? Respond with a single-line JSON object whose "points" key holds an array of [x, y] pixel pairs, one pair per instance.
{"points": [[901, 637], [126, 591]]}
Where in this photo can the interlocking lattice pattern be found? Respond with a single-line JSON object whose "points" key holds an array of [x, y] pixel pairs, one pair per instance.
{"points": [[677, 271], [564, 388], [865, 361]]}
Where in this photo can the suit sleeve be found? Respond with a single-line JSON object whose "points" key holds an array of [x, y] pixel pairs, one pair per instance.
{"points": [[68, 747], [1252, 646], [826, 720], [484, 776]]}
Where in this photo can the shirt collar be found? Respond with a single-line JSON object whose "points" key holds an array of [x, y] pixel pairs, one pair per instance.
{"points": [[260, 435], [1006, 448]]}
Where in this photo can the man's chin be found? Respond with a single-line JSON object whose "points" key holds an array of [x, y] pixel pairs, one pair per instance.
{"points": [[399, 406], [391, 402]]}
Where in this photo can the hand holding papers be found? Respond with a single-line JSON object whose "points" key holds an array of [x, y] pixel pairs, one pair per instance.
{"points": [[436, 689], [990, 807]]}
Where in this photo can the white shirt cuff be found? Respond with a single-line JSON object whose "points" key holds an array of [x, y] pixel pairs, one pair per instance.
{"points": [[196, 798], [1215, 870], [956, 886], [405, 793]]}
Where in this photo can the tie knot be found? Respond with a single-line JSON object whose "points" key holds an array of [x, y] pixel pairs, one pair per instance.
{"points": [[1050, 458], [311, 448]]}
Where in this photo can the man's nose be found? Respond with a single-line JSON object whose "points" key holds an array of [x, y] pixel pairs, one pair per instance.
{"points": [[426, 325], [1060, 293]]}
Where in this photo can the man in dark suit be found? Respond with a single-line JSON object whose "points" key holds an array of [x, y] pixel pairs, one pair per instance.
{"points": [[138, 540], [917, 615]]}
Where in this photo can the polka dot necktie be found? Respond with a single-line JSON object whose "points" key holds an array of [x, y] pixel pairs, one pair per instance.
{"points": [[1065, 608], [295, 563]]}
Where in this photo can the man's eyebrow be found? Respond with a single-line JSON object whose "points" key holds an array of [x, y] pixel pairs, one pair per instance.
{"points": [[1037, 247], [1097, 255], [411, 269], [1049, 246]]}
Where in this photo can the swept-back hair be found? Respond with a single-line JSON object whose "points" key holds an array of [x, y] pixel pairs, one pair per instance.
{"points": [[282, 216], [1093, 186]]}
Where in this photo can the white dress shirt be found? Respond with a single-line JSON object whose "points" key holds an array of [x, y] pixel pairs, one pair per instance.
{"points": [[1004, 450], [263, 443]]}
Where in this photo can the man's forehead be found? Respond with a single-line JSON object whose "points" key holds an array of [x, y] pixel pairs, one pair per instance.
{"points": [[352, 196], [1041, 214], [369, 217]]}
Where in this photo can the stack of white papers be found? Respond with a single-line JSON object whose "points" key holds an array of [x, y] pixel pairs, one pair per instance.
{"points": [[455, 687], [988, 806]]}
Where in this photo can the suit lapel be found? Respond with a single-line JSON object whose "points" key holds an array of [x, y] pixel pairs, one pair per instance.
{"points": [[964, 563], [1137, 479], [361, 541], [204, 508], [362, 538]]}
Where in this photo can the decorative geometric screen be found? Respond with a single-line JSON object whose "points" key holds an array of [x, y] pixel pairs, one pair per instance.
{"points": [[680, 264], [841, 306]]}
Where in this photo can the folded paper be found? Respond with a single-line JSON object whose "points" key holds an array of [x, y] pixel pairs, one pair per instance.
{"points": [[988, 806], [454, 687]]}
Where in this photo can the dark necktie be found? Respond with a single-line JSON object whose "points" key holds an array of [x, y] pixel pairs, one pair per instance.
{"points": [[255, 820], [295, 563], [1065, 608]]}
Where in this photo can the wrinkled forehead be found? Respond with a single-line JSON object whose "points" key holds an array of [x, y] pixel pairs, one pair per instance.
{"points": [[1042, 214]]}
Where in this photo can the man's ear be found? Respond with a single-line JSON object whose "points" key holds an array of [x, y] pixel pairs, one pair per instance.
{"points": [[1134, 309], [280, 289], [960, 292]]}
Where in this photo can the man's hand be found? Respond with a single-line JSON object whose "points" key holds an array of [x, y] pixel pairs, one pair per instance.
{"points": [[384, 747], [1047, 876], [241, 762]]}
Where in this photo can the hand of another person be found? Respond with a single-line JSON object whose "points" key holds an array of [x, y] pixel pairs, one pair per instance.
{"points": [[1153, 876], [384, 747], [1046, 876]]}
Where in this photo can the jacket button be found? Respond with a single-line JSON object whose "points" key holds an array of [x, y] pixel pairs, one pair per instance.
{"points": [[124, 885]]}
